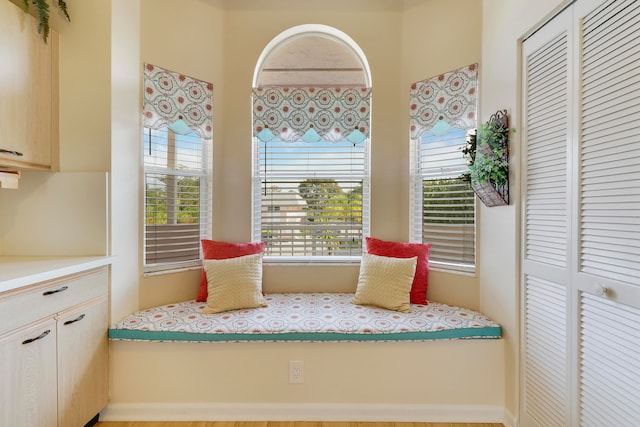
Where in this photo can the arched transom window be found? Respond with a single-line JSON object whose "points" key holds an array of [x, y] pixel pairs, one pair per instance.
{"points": [[311, 105]]}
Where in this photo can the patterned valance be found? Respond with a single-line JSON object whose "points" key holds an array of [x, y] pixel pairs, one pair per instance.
{"points": [[311, 114], [445, 101], [181, 103]]}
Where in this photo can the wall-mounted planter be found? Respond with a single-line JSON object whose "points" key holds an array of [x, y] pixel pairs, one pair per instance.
{"points": [[489, 160]]}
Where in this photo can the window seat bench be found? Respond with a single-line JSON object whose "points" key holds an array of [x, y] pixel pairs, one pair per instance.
{"points": [[304, 317], [437, 363]]}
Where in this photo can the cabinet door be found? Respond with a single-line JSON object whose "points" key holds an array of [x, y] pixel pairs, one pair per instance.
{"points": [[27, 123], [28, 376], [82, 363]]}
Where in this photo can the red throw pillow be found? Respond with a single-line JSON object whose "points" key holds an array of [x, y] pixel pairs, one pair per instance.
{"points": [[224, 250], [420, 283]]}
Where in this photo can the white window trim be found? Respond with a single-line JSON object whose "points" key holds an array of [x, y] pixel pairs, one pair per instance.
{"points": [[205, 219], [256, 209], [415, 216]]}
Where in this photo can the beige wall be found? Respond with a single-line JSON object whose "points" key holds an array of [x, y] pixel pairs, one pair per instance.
{"points": [[404, 42], [186, 36], [439, 378], [43, 216], [504, 24], [437, 37], [220, 41], [249, 26], [85, 85], [125, 160]]}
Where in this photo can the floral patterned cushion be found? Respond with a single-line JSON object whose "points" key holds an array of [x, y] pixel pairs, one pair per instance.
{"points": [[305, 317]]}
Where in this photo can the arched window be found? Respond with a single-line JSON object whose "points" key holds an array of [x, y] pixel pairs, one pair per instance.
{"points": [[311, 137]]}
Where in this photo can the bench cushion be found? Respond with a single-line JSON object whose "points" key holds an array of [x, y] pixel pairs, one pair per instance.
{"points": [[304, 317]]}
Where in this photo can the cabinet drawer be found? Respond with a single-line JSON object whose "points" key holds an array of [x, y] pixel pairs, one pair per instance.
{"points": [[29, 304]]}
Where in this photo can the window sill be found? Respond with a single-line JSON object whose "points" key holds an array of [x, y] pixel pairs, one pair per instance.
{"points": [[158, 271], [316, 261], [443, 267]]}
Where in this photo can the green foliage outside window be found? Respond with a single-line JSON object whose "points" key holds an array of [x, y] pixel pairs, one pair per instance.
{"points": [[327, 203], [187, 204], [448, 201]]}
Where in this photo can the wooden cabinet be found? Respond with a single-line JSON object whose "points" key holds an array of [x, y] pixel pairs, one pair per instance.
{"points": [[28, 371], [28, 92], [82, 363], [54, 365]]}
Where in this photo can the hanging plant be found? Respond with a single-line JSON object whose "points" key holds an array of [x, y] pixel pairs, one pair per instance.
{"points": [[487, 154], [42, 10], [490, 162]]}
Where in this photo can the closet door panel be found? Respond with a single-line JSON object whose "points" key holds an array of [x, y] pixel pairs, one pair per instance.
{"points": [[545, 374], [609, 223], [581, 218], [547, 65], [609, 363], [546, 130], [608, 255]]}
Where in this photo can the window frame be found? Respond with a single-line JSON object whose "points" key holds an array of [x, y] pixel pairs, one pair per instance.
{"points": [[294, 34], [438, 106], [258, 186], [417, 223], [205, 174]]}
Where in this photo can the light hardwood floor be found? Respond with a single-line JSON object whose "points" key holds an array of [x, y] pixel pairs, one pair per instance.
{"points": [[286, 424]]}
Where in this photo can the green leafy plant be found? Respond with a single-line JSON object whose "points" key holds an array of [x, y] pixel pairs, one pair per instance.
{"points": [[491, 163], [469, 153], [486, 153], [42, 9]]}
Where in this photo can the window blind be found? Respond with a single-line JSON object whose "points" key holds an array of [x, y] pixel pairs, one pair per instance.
{"points": [[442, 109], [176, 198], [310, 198], [447, 219]]}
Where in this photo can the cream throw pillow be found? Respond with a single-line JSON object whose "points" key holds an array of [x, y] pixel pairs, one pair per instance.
{"points": [[233, 283], [385, 282]]}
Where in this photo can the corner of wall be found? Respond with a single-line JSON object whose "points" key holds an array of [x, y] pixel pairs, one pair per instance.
{"points": [[125, 130]]}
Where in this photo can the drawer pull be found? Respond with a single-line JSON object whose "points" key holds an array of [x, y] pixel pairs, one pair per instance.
{"points": [[55, 291], [12, 152], [77, 319], [39, 337]]}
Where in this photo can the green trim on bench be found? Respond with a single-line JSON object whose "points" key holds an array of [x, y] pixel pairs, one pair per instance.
{"points": [[450, 334]]}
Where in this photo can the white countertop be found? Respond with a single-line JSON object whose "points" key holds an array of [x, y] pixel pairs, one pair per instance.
{"points": [[19, 271]]}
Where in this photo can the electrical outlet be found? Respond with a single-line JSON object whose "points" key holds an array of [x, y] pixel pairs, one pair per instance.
{"points": [[296, 371]]}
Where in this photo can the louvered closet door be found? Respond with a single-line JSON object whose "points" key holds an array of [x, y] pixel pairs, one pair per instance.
{"points": [[607, 278], [545, 391]]}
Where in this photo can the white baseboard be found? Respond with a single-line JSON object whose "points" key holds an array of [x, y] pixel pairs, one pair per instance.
{"points": [[302, 412], [509, 419]]}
